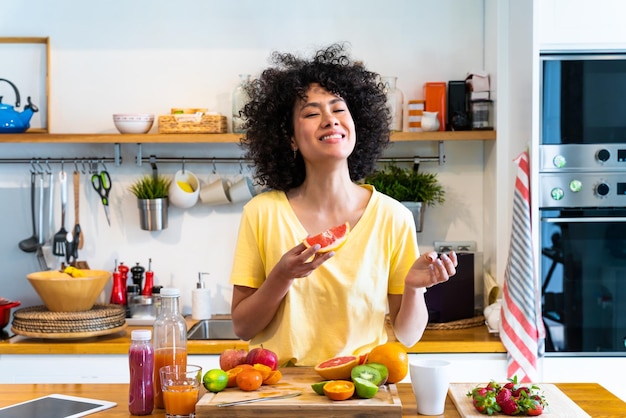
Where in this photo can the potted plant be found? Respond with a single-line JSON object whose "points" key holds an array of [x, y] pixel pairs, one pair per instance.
{"points": [[413, 188], [151, 192]]}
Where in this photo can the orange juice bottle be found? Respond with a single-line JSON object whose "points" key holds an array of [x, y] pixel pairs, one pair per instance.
{"points": [[170, 339]]}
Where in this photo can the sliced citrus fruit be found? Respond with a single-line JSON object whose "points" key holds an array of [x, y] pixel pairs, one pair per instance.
{"points": [[273, 378], [319, 387], [339, 390], [249, 380], [364, 388], [393, 355], [337, 368], [331, 239], [265, 370]]}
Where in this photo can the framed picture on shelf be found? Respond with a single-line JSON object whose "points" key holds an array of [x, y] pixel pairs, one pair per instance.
{"points": [[25, 63]]}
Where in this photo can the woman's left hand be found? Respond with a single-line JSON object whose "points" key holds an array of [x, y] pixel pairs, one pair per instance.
{"points": [[430, 269]]}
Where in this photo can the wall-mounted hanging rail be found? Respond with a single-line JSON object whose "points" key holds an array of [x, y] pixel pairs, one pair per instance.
{"points": [[83, 164]]}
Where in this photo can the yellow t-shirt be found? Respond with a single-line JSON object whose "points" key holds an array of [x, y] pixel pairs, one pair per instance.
{"points": [[340, 308]]}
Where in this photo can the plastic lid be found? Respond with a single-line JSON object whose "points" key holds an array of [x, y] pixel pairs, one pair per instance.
{"points": [[170, 292], [141, 334]]}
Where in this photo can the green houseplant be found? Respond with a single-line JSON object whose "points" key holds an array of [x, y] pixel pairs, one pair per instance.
{"points": [[151, 192], [411, 187]]}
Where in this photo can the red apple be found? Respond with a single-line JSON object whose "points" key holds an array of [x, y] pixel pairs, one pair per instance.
{"points": [[232, 357], [263, 356]]}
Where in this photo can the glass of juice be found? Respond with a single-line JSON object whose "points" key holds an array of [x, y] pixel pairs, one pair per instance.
{"points": [[180, 386]]}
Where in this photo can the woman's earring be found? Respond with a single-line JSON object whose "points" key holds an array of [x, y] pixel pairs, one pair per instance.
{"points": [[295, 154]]}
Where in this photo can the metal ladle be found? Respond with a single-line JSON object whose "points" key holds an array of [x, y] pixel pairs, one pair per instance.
{"points": [[31, 244]]}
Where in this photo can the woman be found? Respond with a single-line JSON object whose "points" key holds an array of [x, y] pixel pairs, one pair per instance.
{"points": [[314, 128]]}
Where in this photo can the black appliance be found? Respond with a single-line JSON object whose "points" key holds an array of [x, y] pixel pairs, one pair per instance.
{"points": [[583, 98], [453, 300], [458, 108]]}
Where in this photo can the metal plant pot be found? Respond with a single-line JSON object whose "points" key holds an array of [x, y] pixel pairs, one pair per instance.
{"points": [[418, 209], [153, 213]]}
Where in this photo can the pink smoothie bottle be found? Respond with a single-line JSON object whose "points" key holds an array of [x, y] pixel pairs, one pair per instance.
{"points": [[141, 367]]}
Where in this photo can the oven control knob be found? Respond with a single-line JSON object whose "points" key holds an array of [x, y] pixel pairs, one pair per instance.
{"points": [[559, 161], [575, 185], [603, 155], [602, 189], [557, 193]]}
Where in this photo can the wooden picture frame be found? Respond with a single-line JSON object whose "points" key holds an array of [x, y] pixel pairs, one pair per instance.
{"points": [[26, 51]]}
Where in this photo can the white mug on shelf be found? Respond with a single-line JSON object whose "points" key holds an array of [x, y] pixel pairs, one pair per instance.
{"points": [[184, 189]]}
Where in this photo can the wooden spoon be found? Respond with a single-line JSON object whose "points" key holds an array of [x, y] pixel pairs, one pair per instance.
{"points": [[77, 229]]}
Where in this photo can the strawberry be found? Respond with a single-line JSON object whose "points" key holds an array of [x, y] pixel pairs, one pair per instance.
{"points": [[534, 411], [507, 402], [484, 400]]}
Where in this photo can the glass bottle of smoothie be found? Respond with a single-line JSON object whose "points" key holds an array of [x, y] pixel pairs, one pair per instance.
{"points": [[141, 368], [170, 338]]}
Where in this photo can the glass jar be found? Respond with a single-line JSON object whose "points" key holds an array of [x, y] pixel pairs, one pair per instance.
{"points": [[395, 103], [170, 338], [240, 98], [141, 369]]}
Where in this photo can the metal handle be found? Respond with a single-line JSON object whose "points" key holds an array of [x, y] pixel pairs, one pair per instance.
{"points": [[267, 398], [585, 220], [63, 181]]}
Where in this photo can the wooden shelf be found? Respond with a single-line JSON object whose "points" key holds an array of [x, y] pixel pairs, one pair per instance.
{"points": [[219, 138]]}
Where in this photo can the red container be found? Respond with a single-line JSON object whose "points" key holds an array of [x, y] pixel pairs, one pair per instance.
{"points": [[435, 101], [5, 311]]}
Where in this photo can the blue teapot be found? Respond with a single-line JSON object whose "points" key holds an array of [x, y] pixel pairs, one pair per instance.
{"points": [[12, 121]]}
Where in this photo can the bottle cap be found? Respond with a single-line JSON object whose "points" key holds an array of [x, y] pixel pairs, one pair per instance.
{"points": [[170, 292], [141, 334]]}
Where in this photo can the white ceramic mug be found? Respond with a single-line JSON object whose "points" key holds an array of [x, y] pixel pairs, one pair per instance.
{"points": [[242, 190], [430, 380], [216, 192], [180, 197]]}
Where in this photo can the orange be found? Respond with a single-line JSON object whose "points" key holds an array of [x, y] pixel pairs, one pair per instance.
{"points": [[273, 378], [329, 240], [394, 356], [339, 390], [265, 370], [337, 368], [232, 374], [249, 380]]}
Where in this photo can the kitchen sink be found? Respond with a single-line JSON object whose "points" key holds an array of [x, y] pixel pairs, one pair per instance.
{"points": [[212, 329]]}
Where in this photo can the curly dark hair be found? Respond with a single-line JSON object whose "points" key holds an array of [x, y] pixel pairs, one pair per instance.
{"points": [[269, 114]]}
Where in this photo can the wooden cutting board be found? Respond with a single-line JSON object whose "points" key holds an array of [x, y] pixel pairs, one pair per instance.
{"points": [[386, 403], [559, 405]]}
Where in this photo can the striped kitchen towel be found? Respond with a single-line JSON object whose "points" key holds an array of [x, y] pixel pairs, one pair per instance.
{"points": [[521, 326]]}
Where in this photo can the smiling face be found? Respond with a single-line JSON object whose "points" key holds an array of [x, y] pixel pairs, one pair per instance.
{"points": [[323, 126]]}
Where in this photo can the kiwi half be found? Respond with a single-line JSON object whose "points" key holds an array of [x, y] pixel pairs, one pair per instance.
{"points": [[366, 372]]}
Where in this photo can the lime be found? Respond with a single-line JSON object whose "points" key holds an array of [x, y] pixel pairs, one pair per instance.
{"points": [[319, 387], [364, 388], [215, 380]]}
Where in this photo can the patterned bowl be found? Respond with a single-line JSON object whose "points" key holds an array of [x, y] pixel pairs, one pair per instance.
{"points": [[133, 123]]}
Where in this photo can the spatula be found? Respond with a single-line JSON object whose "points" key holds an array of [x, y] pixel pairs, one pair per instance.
{"points": [[79, 239], [59, 240]]}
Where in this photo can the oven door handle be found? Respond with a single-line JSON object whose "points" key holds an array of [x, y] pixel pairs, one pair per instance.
{"points": [[586, 220]]}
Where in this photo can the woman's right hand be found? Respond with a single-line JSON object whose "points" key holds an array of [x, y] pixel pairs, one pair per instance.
{"points": [[300, 262]]}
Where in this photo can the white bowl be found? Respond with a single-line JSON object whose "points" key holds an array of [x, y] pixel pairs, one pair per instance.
{"points": [[133, 123]]}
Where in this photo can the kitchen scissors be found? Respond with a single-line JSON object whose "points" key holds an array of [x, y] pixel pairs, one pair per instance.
{"points": [[101, 183]]}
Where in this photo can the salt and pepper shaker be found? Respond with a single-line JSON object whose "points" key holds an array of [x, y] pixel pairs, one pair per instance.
{"points": [[149, 283], [201, 300]]}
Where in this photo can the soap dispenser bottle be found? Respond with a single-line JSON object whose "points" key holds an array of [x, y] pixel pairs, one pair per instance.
{"points": [[201, 300]]}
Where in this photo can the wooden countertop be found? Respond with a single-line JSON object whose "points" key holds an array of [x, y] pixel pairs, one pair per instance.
{"points": [[592, 397], [468, 340]]}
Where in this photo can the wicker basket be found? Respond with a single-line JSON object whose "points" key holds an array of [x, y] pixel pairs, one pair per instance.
{"points": [[192, 124]]}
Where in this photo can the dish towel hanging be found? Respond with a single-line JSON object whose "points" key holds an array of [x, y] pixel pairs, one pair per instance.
{"points": [[521, 326]]}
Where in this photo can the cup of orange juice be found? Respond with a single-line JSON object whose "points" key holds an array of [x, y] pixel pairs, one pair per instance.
{"points": [[180, 386]]}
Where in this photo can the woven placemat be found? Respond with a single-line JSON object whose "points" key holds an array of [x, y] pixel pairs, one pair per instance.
{"points": [[460, 324], [39, 319]]}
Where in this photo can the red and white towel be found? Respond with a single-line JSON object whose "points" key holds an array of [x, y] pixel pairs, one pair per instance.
{"points": [[521, 326]]}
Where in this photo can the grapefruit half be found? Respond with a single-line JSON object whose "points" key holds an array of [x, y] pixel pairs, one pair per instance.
{"points": [[338, 368], [331, 239]]}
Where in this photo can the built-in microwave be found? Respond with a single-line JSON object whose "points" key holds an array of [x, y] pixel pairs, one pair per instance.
{"points": [[583, 98]]}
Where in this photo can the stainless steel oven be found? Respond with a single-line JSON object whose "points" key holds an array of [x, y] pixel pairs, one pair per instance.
{"points": [[582, 206]]}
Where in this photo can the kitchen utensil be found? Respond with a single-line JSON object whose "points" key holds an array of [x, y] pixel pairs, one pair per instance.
{"points": [[101, 183], [5, 311], [79, 239], [12, 121], [40, 257], [266, 398], [30, 244], [50, 204], [59, 241]]}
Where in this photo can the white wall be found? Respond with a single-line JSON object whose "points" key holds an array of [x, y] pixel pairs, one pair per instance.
{"points": [[149, 56]]}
